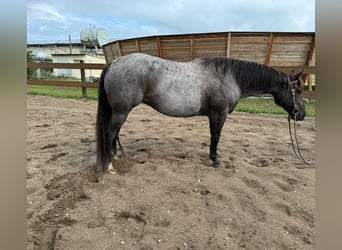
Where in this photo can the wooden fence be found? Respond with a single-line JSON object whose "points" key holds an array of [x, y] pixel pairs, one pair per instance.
{"points": [[307, 93], [55, 82]]}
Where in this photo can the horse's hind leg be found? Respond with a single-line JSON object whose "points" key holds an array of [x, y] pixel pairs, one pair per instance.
{"points": [[116, 140], [116, 123], [120, 146]]}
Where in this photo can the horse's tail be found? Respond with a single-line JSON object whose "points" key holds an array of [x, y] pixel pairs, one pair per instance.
{"points": [[104, 113]]}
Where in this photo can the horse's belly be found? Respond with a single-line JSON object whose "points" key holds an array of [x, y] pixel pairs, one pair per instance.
{"points": [[176, 105], [179, 108]]}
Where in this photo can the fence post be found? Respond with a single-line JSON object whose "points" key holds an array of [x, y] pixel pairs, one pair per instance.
{"points": [[310, 83], [83, 79]]}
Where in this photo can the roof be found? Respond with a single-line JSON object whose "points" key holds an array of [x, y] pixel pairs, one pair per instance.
{"points": [[53, 44], [270, 48], [74, 54]]}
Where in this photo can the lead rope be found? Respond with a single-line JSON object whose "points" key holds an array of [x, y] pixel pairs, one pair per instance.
{"points": [[297, 152]]}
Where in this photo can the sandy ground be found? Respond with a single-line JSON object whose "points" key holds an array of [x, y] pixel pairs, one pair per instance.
{"points": [[170, 197]]}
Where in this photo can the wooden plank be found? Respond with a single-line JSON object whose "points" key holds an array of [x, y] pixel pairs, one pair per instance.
{"points": [[249, 51], [269, 49], [296, 48], [178, 59], [288, 69], [192, 52], [109, 53], [174, 42], [118, 48], [250, 40], [137, 45], [309, 94], [149, 47], [293, 39], [160, 52], [229, 43], [187, 51], [128, 51], [222, 43], [83, 79], [110, 56], [250, 34], [48, 65], [171, 56], [177, 50], [196, 36], [113, 54], [150, 52], [288, 62], [183, 45], [250, 45], [310, 83], [254, 58], [222, 47], [210, 53], [311, 50], [61, 83], [127, 48], [210, 39]]}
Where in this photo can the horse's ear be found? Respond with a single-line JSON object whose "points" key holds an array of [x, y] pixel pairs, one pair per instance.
{"points": [[296, 76]]}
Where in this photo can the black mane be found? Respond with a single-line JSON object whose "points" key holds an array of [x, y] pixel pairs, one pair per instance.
{"points": [[249, 75]]}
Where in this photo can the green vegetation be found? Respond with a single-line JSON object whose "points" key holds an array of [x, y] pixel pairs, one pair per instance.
{"points": [[251, 105], [64, 92], [267, 105], [29, 57], [44, 73]]}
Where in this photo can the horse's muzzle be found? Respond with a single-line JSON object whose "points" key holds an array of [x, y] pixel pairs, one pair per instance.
{"points": [[296, 114]]}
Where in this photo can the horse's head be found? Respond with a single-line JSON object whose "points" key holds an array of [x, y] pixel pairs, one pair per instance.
{"points": [[289, 96]]}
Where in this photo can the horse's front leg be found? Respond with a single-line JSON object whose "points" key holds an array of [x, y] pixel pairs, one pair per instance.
{"points": [[216, 122]]}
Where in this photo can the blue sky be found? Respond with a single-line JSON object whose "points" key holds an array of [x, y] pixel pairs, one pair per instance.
{"points": [[54, 20]]}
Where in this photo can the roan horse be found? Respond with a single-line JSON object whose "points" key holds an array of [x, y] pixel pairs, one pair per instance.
{"points": [[204, 86]]}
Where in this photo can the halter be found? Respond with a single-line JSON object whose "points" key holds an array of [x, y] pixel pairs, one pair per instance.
{"points": [[297, 153], [292, 90]]}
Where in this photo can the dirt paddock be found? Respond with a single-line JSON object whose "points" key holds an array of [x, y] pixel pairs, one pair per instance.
{"points": [[170, 197]]}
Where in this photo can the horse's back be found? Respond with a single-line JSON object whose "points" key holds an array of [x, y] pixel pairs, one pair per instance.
{"points": [[172, 88], [175, 88]]}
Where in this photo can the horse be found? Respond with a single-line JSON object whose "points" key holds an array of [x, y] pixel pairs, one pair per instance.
{"points": [[207, 86]]}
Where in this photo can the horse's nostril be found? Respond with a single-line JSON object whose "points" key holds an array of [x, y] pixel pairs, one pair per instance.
{"points": [[295, 111]]}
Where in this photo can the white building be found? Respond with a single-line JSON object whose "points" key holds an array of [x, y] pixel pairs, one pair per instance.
{"points": [[68, 53], [76, 58]]}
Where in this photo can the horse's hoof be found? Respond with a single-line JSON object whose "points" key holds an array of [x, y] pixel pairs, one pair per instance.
{"points": [[216, 163], [111, 169]]}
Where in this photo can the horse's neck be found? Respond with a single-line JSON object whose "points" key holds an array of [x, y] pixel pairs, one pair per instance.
{"points": [[261, 84]]}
